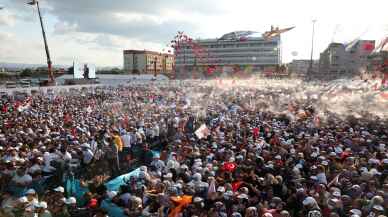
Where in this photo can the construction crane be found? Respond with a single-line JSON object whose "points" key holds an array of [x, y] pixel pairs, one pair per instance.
{"points": [[51, 80]]}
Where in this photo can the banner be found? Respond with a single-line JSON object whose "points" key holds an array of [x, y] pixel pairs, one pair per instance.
{"points": [[202, 132], [78, 72]]}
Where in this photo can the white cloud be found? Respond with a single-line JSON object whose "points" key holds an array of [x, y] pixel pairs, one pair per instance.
{"points": [[64, 28], [7, 19], [98, 30]]}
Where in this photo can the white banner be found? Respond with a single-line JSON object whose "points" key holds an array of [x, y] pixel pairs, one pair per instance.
{"points": [[78, 70], [92, 71], [202, 132]]}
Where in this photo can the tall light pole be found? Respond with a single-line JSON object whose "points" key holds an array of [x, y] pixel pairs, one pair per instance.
{"points": [[49, 63], [312, 48]]}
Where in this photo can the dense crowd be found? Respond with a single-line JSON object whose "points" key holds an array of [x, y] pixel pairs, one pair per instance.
{"points": [[58, 151]]}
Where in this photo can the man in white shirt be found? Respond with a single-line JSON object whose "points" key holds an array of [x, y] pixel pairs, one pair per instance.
{"points": [[126, 138], [87, 154]]}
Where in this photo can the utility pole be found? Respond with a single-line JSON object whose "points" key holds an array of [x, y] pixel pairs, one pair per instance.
{"points": [[312, 49], [49, 63]]}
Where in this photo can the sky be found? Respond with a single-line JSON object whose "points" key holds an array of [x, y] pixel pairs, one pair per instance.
{"points": [[97, 31]]}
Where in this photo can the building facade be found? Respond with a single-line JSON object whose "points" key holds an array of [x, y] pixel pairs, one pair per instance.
{"points": [[147, 62], [339, 60], [255, 52]]}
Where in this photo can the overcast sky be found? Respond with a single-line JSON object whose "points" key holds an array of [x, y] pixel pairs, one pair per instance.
{"points": [[97, 31]]}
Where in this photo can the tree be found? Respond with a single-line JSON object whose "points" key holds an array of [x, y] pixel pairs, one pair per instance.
{"points": [[70, 70], [26, 73]]}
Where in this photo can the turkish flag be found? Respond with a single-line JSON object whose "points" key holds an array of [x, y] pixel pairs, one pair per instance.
{"points": [[368, 46], [210, 70], [255, 132], [236, 185], [229, 166]]}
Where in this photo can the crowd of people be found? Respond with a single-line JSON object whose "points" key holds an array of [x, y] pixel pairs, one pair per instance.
{"points": [[199, 150]]}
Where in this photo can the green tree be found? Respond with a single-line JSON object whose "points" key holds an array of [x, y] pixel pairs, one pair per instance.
{"points": [[26, 73]]}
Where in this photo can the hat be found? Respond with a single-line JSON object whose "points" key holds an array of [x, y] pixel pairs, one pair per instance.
{"points": [[242, 196], [197, 199], [308, 201], [168, 176], [23, 200], [228, 194], [315, 178], [356, 212], [71, 200], [59, 189], [332, 154], [244, 190], [31, 191], [111, 194], [336, 194], [236, 214], [378, 208], [221, 189], [41, 204]]}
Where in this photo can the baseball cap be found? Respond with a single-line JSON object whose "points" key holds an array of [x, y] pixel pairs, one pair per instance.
{"points": [[59, 189], [31, 191], [41, 204], [23, 200], [71, 200], [221, 189], [308, 201]]}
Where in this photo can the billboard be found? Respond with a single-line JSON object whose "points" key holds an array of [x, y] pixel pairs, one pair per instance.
{"points": [[78, 70], [92, 71]]}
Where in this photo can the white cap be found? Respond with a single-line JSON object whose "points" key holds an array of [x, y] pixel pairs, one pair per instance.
{"points": [[23, 200], [221, 189], [378, 208], [85, 145], [308, 201], [336, 194], [41, 204], [168, 176], [59, 189], [197, 199], [111, 194], [242, 196], [356, 212], [31, 191], [71, 200]]}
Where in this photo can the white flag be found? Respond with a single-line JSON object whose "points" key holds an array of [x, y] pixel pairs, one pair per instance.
{"points": [[202, 132]]}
